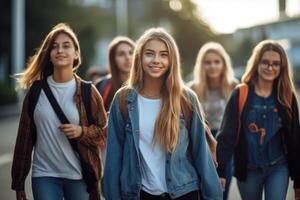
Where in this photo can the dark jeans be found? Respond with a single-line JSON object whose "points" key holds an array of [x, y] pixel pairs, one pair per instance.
{"points": [[191, 195]]}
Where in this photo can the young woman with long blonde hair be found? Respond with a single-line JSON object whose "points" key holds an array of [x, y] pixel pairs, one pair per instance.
{"points": [[62, 151], [151, 154], [213, 83], [265, 137]]}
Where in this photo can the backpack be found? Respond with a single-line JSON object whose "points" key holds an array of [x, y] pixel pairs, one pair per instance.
{"points": [[105, 86], [35, 90], [187, 113]]}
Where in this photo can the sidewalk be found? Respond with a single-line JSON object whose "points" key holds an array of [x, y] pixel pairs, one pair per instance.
{"points": [[10, 110]]}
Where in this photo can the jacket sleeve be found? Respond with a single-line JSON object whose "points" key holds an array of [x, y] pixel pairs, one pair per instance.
{"points": [[226, 136], [115, 143], [23, 148], [205, 167], [95, 134], [294, 145]]}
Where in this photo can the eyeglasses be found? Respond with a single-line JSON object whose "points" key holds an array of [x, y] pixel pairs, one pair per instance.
{"points": [[265, 64], [209, 62]]}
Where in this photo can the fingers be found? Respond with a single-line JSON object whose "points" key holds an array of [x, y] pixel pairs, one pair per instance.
{"points": [[71, 130], [21, 195], [223, 183]]}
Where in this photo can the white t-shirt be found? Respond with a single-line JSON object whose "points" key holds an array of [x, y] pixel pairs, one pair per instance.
{"points": [[153, 157], [53, 155]]}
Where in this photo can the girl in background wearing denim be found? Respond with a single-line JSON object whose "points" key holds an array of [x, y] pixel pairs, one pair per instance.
{"points": [[56, 167], [213, 83], [151, 155], [267, 147]]}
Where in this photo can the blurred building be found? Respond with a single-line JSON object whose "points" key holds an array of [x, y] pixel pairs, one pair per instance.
{"points": [[286, 31]]}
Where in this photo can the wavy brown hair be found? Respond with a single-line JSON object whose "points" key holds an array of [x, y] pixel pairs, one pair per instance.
{"points": [[39, 65], [200, 82], [112, 48], [166, 131], [283, 82]]}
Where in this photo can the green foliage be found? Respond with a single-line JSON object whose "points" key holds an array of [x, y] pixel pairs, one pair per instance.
{"points": [[8, 94], [85, 20], [92, 23], [188, 29]]}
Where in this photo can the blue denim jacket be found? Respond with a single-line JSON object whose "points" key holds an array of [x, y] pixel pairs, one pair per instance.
{"points": [[184, 173], [267, 150]]}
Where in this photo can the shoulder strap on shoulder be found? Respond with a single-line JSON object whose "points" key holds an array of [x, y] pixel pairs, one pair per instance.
{"points": [[101, 85], [34, 93], [123, 103], [243, 94], [87, 97]]}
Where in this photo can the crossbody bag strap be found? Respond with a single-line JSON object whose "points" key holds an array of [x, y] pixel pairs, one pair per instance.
{"points": [[57, 109]]}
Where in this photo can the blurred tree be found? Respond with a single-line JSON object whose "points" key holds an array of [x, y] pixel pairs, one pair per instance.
{"points": [[5, 38], [86, 21], [183, 22]]}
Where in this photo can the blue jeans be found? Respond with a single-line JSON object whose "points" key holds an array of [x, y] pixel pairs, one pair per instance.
{"points": [[51, 188], [273, 179]]}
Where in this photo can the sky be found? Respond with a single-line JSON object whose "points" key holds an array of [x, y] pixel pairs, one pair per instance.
{"points": [[225, 16]]}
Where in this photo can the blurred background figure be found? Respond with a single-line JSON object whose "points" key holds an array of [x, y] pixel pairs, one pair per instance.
{"points": [[213, 82], [120, 52], [94, 73]]}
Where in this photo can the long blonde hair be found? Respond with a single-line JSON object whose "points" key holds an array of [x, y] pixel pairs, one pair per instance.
{"points": [[283, 82], [39, 65], [166, 131], [200, 85]]}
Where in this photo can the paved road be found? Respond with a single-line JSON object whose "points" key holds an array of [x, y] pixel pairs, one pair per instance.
{"points": [[8, 132]]}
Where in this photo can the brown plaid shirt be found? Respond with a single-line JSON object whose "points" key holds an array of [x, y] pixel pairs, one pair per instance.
{"points": [[92, 136]]}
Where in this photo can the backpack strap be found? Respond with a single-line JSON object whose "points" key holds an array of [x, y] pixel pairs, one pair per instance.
{"points": [[185, 106], [102, 84], [106, 91], [33, 96], [56, 107], [123, 103], [86, 94], [243, 94]]}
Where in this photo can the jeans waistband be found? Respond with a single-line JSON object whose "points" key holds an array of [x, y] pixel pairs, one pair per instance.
{"points": [[278, 161], [146, 196]]}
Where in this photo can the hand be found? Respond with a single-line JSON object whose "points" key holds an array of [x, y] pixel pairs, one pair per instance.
{"points": [[21, 195], [223, 183], [71, 130], [297, 193]]}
